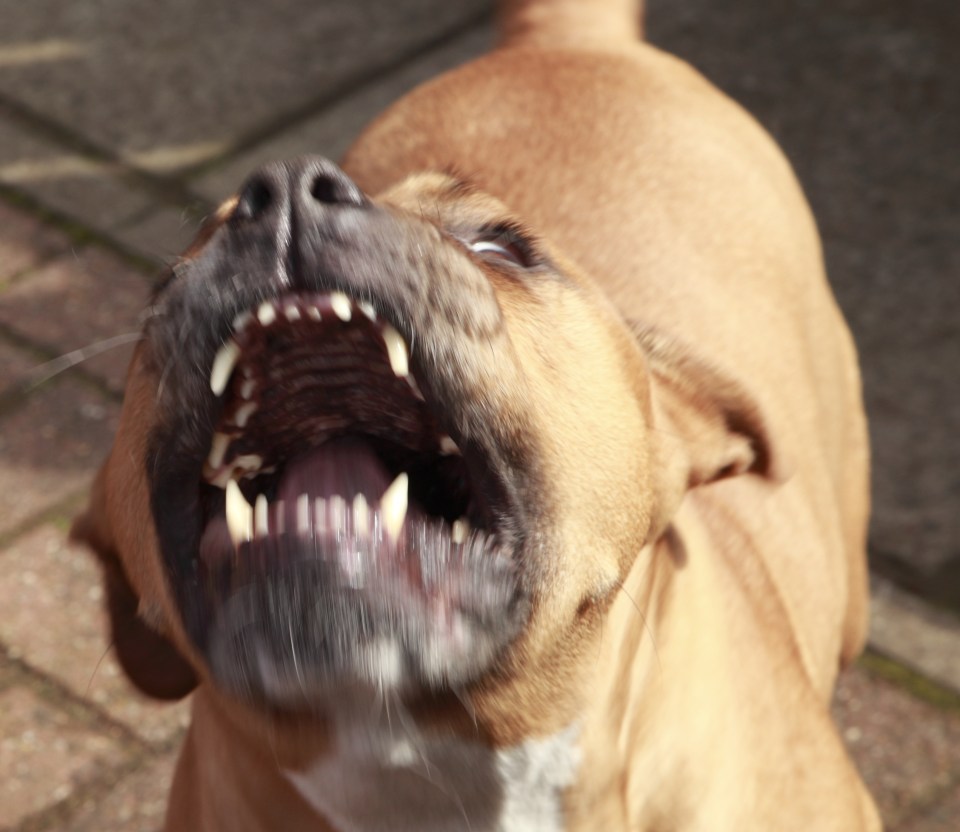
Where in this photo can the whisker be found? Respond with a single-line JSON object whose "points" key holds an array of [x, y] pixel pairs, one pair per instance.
{"points": [[44, 372]]}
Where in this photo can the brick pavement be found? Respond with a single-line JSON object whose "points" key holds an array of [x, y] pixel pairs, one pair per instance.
{"points": [[84, 219]]}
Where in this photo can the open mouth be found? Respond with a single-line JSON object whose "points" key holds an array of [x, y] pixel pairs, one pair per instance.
{"points": [[332, 490]]}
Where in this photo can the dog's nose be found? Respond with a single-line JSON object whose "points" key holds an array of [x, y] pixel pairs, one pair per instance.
{"points": [[306, 188]]}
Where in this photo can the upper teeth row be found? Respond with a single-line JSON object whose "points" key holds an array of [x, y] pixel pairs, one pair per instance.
{"points": [[228, 355]]}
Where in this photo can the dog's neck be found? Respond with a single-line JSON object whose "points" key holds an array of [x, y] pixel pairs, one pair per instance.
{"points": [[401, 780]]}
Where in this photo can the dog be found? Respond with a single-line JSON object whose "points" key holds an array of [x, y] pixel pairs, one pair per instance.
{"points": [[511, 476]]}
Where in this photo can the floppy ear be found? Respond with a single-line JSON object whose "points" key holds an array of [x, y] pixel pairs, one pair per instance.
{"points": [[707, 426], [149, 659]]}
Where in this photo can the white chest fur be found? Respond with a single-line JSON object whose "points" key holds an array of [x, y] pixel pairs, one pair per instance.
{"points": [[402, 782]]}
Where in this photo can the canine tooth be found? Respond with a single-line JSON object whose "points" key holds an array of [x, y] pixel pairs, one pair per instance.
{"points": [[303, 515], [396, 351], [341, 306], [459, 530], [412, 382], [448, 447], [261, 524], [239, 514], [223, 364], [292, 313], [393, 505], [367, 308], [314, 312], [320, 515], [266, 313], [243, 414], [361, 516], [218, 449]]}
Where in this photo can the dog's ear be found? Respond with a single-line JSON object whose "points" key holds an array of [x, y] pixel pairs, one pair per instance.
{"points": [[707, 427], [149, 659]]}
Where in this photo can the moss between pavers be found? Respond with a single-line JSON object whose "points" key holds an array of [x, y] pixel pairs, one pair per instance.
{"points": [[914, 683]]}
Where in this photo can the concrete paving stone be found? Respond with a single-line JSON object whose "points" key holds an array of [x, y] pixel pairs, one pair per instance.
{"points": [[161, 236], [90, 192], [332, 131], [45, 755], [138, 802], [54, 620], [25, 241], [905, 749], [915, 634], [76, 301], [50, 448], [16, 366], [940, 817], [184, 80], [863, 96]]}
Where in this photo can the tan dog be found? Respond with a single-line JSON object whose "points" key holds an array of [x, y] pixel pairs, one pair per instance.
{"points": [[464, 516]]}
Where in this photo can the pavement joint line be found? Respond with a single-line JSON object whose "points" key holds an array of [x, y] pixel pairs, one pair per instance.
{"points": [[168, 189], [77, 706], [60, 514], [350, 86], [22, 390], [80, 234], [909, 679]]}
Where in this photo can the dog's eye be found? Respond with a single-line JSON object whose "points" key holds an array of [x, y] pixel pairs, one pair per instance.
{"points": [[502, 249], [504, 242]]}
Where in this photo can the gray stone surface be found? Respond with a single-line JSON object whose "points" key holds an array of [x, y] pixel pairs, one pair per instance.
{"points": [[168, 85], [863, 95], [332, 131]]}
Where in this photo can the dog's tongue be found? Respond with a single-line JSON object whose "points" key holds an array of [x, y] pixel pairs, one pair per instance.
{"points": [[341, 467]]}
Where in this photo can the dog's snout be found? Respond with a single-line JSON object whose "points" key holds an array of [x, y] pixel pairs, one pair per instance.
{"points": [[306, 187]]}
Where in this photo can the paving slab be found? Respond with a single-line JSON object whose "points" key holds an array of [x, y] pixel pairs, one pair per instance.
{"points": [[941, 817], [168, 85], [863, 96], [77, 301], [138, 802], [43, 579], [50, 448], [25, 242], [91, 192], [905, 748], [45, 755], [332, 131], [16, 366]]}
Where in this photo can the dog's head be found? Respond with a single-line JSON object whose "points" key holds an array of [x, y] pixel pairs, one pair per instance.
{"points": [[395, 443]]}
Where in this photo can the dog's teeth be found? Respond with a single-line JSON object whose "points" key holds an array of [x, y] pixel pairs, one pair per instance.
{"points": [[320, 515], [448, 447], [459, 530], [243, 414], [396, 351], [247, 388], [367, 308], [292, 313], [393, 505], [412, 382], [261, 523], [314, 313], [241, 321], [338, 513], [218, 449], [266, 314], [361, 516], [223, 364], [280, 523], [341, 306], [303, 515], [239, 514]]}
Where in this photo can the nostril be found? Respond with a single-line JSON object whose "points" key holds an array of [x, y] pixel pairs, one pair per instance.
{"points": [[327, 190], [255, 199]]}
